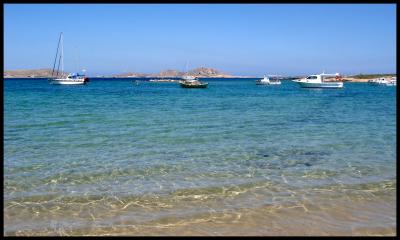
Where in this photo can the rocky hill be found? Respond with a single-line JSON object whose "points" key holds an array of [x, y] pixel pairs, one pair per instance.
{"points": [[167, 73], [208, 72], [197, 72], [34, 73], [131, 74]]}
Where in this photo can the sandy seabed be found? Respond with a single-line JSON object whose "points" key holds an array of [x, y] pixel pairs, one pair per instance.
{"points": [[339, 217]]}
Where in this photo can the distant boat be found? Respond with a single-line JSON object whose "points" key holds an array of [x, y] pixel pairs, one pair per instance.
{"points": [[191, 81], [268, 81], [383, 81], [319, 81], [70, 79], [163, 80], [392, 82], [378, 81]]}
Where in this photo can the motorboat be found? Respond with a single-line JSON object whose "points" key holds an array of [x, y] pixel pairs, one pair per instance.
{"points": [[268, 81], [379, 81], [383, 81], [321, 81], [392, 82]]}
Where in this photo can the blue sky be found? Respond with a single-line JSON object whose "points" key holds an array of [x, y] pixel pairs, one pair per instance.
{"points": [[240, 39]]}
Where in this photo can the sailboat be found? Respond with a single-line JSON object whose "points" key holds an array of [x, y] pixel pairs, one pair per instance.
{"points": [[70, 79], [191, 81]]}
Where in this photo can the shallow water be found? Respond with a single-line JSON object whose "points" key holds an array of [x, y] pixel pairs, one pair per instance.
{"points": [[116, 158]]}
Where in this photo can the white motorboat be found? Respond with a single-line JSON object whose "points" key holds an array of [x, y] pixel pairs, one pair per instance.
{"points": [[392, 82], [379, 81], [383, 81], [320, 81], [70, 79], [268, 81]]}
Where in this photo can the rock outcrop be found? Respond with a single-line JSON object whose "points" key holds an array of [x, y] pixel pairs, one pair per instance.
{"points": [[34, 73]]}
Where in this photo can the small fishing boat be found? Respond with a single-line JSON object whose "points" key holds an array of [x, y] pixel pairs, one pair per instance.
{"points": [[192, 82], [320, 81], [70, 79], [189, 81], [268, 81]]}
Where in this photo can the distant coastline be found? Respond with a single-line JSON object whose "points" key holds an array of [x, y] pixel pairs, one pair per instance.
{"points": [[366, 78], [201, 72]]}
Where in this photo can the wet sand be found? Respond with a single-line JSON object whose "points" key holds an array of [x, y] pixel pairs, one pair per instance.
{"points": [[343, 216]]}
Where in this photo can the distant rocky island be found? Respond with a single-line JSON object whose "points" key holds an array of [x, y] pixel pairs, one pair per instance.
{"points": [[201, 72], [31, 73], [197, 72]]}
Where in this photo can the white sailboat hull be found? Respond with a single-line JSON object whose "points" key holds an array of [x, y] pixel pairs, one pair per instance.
{"points": [[67, 81]]}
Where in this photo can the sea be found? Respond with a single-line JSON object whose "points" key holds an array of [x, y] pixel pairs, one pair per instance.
{"points": [[131, 157]]}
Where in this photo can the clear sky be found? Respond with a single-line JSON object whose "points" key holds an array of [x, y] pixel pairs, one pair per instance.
{"points": [[240, 39]]}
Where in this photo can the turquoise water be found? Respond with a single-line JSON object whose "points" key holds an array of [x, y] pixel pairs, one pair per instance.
{"points": [[82, 159]]}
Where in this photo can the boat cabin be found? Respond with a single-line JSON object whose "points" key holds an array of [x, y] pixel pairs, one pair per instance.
{"points": [[75, 76], [323, 78]]}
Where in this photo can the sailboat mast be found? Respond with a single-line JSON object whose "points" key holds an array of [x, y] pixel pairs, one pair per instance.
{"points": [[55, 60], [62, 54], [77, 67]]}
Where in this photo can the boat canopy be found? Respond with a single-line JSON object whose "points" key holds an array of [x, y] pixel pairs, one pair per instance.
{"points": [[75, 75]]}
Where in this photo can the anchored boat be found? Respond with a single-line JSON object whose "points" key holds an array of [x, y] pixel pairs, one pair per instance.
{"points": [[378, 81], [321, 81], [70, 79], [392, 82], [268, 81], [192, 82], [189, 81], [383, 81]]}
